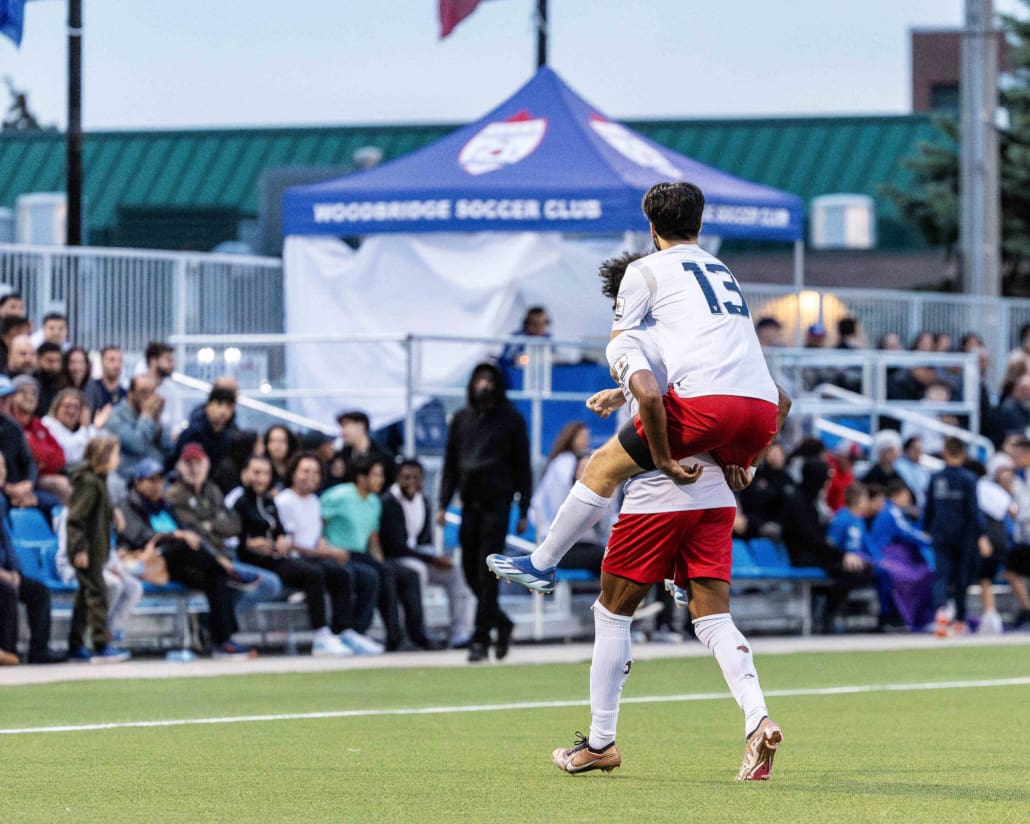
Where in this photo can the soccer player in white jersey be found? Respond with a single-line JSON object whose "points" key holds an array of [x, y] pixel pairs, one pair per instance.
{"points": [[718, 396], [663, 526]]}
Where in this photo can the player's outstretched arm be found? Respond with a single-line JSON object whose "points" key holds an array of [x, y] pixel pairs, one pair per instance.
{"points": [[645, 389]]}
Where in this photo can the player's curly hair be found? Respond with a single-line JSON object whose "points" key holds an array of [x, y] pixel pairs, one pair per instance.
{"points": [[612, 271], [675, 209]]}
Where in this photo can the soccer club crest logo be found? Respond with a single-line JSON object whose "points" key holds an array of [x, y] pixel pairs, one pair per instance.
{"points": [[502, 143], [633, 148]]}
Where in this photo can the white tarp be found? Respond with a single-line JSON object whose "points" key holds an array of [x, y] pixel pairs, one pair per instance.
{"points": [[477, 284]]}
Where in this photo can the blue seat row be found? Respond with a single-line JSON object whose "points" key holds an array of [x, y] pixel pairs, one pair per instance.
{"points": [[764, 558], [36, 546]]}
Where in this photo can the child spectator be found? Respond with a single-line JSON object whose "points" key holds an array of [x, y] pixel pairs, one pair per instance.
{"points": [[847, 530], [953, 520], [90, 517], [902, 551]]}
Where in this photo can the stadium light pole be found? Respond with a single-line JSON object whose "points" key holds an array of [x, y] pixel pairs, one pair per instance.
{"points": [[73, 153], [979, 193]]}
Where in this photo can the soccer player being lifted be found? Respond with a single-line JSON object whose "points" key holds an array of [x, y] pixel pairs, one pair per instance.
{"points": [[665, 527], [718, 397]]}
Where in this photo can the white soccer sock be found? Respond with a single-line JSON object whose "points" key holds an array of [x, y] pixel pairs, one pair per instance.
{"points": [[733, 654], [581, 510], [609, 669]]}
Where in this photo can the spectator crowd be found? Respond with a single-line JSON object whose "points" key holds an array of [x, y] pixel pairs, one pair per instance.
{"points": [[343, 524]]}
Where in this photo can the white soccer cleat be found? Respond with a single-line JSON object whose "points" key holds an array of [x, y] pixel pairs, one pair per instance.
{"points": [[759, 750]]}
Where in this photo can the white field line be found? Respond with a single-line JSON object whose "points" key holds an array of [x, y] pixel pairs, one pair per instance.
{"points": [[524, 705]]}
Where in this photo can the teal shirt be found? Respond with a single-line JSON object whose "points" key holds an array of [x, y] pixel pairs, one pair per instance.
{"points": [[350, 519]]}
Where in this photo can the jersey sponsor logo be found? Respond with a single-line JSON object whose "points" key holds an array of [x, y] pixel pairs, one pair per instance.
{"points": [[633, 147], [502, 143], [620, 307]]}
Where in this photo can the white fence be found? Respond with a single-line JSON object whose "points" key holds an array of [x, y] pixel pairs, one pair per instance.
{"points": [[129, 297]]}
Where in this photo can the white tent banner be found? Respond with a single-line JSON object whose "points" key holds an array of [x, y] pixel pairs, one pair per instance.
{"points": [[475, 285]]}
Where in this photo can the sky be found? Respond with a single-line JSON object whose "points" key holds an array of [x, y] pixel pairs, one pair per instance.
{"points": [[202, 63]]}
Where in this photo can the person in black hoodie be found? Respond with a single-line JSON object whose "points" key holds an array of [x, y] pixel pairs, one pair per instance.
{"points": [[487, 461], [804, 533]]}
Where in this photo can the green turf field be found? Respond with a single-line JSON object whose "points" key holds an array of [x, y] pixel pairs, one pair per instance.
{"points": [[913, 756]]}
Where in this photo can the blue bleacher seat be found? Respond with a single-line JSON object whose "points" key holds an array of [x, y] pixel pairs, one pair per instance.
{"points": [[771, 556], [28, 559], [34, 539], [29, 525]]}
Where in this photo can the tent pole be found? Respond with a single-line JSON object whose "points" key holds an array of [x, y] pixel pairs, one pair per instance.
{"points": [[409, 398], [799, 284]]}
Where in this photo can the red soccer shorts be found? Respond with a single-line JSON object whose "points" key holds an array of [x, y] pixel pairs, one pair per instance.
{"points": [[732, 428], [697, 543]]}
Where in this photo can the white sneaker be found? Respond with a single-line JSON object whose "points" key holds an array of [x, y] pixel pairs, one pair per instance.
{"points": [[991, 623], [361, 644], [327, 645], [666, 636]]}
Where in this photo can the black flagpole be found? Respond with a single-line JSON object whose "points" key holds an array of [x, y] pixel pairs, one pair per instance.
{"points": [[541, 33], [73, 229]]}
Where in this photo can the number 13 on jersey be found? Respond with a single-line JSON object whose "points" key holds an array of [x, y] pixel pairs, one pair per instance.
{"points": [[709, 278]]}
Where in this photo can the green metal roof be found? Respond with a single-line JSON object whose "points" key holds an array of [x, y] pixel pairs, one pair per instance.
{"points": [[207, 169]]}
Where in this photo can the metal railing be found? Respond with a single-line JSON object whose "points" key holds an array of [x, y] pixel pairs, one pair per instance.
{"points": [[131, 296], [818, 402]]}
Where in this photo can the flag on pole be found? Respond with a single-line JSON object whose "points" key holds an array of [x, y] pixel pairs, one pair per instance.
{"points": [[12, 19], [452, 12]]}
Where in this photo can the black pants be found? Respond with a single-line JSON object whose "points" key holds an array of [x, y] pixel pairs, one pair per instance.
{"points": [[90, 608], [398, 586], [837, 595], [315, 577], [483, 530], [36, 598], [198, 569], [953, 574]]}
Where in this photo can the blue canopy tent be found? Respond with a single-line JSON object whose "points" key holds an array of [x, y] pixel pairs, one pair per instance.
{"points": [[462, 235], [545, 160]]}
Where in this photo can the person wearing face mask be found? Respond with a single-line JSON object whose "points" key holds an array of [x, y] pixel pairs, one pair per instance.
{"points": [[487, 461]]}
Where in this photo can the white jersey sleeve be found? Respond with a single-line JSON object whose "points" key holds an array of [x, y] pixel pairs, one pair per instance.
{"points": [[633, 302], [632, 351]]}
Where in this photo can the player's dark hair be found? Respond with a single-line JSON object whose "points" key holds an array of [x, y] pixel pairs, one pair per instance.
{"points": [[675, 210], [612, 272]]}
